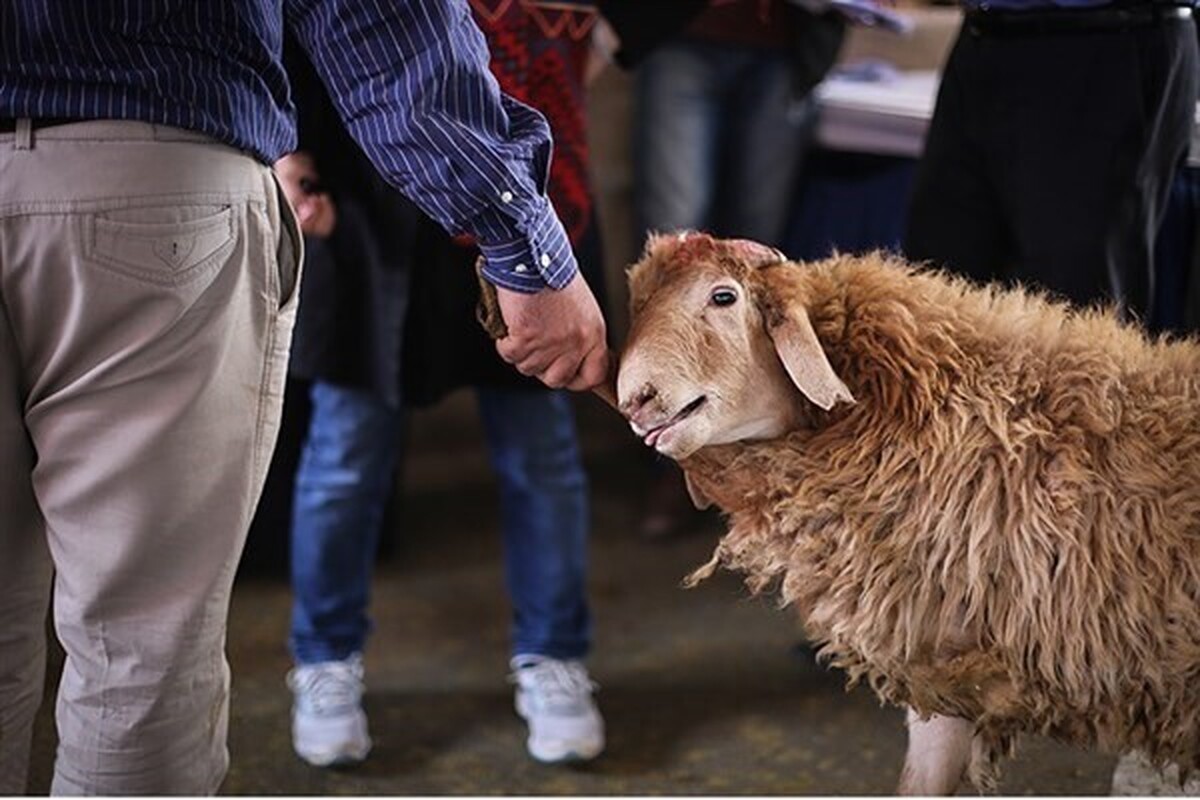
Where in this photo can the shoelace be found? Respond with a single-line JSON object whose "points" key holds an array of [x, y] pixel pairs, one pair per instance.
{"points": [[328, 687], [556, 684]]}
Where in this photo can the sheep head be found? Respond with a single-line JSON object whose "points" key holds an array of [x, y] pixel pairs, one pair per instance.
{"points": [[713, 357]]}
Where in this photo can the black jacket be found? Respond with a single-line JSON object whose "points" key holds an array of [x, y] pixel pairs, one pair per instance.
{"points": [[354, 293]]}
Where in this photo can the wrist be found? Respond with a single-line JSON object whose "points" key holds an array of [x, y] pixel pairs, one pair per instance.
{"points": [[539, 256]]}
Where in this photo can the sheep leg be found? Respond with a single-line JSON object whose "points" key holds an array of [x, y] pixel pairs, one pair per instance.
{"points": [[939, 752]]}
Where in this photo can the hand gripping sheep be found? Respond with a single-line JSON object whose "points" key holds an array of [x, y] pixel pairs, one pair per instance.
{"points": [[984, 503]]}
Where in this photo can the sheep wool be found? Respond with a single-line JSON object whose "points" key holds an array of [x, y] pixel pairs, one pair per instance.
{"points": [[1005, 527]]}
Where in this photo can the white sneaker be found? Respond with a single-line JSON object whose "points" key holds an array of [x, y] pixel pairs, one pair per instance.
{"points": [[555, 698], [329, 728]]}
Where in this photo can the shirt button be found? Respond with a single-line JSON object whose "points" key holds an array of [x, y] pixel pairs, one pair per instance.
{"points": [[545, 259], [506, 197], [520, 268]]}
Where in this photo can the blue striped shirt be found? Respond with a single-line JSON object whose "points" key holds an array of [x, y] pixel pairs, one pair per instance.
{"points": [[409, 77], [1029, 5]]}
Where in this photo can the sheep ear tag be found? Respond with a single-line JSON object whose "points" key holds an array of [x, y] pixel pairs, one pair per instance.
{"points": [[800, 350], [699, 499]]}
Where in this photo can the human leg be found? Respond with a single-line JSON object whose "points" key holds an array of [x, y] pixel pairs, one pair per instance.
{"points": [[25, 575], [676, 158], [1094, 150], [675, 138], [769, 132], [955, 220], [342, 486], [531, 435], [151, 303]]}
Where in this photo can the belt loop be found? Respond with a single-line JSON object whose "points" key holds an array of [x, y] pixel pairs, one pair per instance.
{"points": [[24, 138]]}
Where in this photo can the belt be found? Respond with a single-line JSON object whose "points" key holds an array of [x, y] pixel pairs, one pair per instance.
{"points": [[9, 124], [981, 22]]}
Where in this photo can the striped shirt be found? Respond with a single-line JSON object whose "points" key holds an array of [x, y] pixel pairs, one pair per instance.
{"points": [[410, 79], [1029, 5]]}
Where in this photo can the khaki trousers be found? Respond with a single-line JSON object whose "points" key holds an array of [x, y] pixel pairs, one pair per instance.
{"points": [[147, 295]]}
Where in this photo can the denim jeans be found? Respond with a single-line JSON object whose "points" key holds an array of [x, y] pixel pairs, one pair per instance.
{"points": [[718, 140], [342, 485]]}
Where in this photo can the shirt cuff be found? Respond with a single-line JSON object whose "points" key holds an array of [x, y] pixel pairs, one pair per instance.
{"points": [[542, 258]]}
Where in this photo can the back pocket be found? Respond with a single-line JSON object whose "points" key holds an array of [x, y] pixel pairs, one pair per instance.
{"points": [[166, 246]]}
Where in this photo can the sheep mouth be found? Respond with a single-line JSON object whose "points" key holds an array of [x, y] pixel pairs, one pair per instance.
{"points": [[652, 436]]}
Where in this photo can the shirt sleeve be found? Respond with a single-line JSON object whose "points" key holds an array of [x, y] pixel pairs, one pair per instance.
{"points": [[410, 80]]}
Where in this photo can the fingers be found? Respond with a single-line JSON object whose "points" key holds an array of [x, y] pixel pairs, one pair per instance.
{"points": [[316, 215], [557, 336], [515, 350], [593, 371], [565, 370], [291, 169], [301, 184], [542, 364], [306, 209], [560, 372]]}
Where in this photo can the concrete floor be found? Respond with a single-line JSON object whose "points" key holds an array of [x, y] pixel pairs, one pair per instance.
{"points": [[704, 691]]}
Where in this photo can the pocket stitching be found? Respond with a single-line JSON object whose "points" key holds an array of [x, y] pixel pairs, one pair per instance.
{"points": [[170, 278]]}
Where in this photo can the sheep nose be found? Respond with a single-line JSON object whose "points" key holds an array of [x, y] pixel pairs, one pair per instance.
{"points": [[634, 404]]}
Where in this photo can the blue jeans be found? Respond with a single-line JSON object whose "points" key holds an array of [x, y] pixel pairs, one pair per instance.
{"points": [[342, 486], [718, 140]]}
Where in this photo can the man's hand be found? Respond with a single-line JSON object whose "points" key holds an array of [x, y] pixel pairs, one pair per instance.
{"points": [[302, 185], [556, 336]]}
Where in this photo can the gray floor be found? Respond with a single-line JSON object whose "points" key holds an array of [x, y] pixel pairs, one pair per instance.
{"points": [[705, 691]]}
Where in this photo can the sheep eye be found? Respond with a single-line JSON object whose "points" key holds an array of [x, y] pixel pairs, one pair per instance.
{"points": [[724, 297]]}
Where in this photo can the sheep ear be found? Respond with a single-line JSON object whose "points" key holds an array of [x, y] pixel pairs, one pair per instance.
{"points": [[699, 499], [805, 361]]}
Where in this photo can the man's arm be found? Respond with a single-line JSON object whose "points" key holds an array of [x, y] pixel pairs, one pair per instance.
{"points": [[410, 79]]}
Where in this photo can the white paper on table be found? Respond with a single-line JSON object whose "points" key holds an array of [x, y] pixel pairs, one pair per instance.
{"points": [[862, 12]]}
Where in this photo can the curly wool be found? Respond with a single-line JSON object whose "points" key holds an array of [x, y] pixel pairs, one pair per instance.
{"points": [[1005, 527]]}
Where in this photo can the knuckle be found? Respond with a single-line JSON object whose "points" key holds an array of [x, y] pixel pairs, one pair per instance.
{"points": [[506, 352], [558, 375]]}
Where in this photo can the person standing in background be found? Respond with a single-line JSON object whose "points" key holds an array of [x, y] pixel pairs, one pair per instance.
{"points": [[388, 319], [147, 293], [1058, 128], [724, 114], [722, 120]]}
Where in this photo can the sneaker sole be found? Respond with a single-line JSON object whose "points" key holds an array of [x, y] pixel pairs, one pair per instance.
{"points": [[345, 745], [335, 760], [570, 757], [554, 756]]}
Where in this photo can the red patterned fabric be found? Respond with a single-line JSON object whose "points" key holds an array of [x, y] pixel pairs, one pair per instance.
{"points": [[539, 54]]}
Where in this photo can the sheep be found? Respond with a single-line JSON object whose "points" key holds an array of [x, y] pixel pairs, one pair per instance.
{"points": [[982, 502]]}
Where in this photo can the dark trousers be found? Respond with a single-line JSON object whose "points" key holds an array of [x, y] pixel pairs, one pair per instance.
{"points": [[1050, 157]]}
